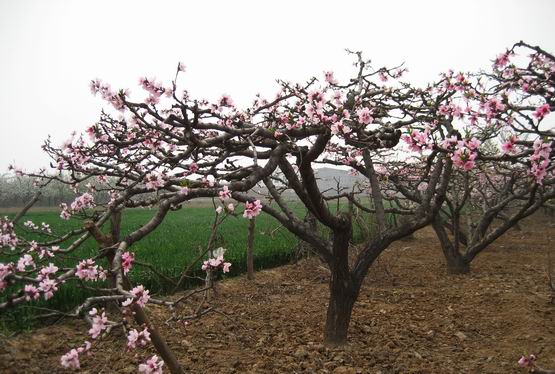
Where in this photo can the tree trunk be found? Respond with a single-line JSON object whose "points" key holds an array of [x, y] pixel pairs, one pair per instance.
{"points": [[456, 263], [343, 294], [250, 255], [343, 291]]}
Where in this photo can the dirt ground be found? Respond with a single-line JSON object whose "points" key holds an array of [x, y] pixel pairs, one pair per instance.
{"points": [[411, 317]]}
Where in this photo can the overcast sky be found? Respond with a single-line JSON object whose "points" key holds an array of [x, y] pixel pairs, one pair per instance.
{"points": [[50, 50]]}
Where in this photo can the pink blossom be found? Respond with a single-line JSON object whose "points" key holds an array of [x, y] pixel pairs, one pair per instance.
{"points": [[48, 286], [84, 201], [501, 60], [45, 227], [540, 160], [47, 271], [417, 140], [31, 292], [152, 100], [46, 252], [87, 270], [449, 141], [208, 181], [71, 360], [151, 366], [473, 144], [509, 146], [340, 128], [493, 106], [91, 132], [64, 214], [24, 261], [225, 101], [217, 261], [140, 296], [95, 85], [328, 76], [135, 338], [193, 168], [5, 270], [30, 225], [542, 111], [316, 97], [99, 323], [154, 181], [225, 193], [181, 67], [364, 116], [127, 259], [252, 209], [464, 159]]}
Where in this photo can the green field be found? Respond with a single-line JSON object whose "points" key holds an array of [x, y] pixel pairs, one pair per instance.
{"points": [[169, 249]]}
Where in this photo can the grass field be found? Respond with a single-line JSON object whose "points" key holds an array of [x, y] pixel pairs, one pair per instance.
{"points": [[169, 249]]}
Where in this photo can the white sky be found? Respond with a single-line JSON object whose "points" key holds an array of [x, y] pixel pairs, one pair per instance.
{"points": [[50, 50]]}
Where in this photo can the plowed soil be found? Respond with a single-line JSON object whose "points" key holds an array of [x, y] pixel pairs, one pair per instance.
{"points": [[411, 317]]}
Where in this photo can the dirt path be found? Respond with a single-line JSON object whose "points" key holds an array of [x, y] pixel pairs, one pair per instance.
{"points": [[411, 317]]}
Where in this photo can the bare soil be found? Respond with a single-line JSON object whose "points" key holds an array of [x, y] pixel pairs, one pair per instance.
{"points": [[411, 317]]}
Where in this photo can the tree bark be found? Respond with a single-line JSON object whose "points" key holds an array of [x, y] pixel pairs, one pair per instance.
{"points": [[343, 294], [456, 263], [250, 245], [343, 291]]}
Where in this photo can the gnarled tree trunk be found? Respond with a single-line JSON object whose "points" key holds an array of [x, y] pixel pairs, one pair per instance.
{"points": [[456, 262], [343, 291]]}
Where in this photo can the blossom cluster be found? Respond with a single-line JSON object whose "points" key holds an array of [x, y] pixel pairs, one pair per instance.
{"points": [[152, 366], [252, 209], [71, 359], [540, 160], [154, 181], [44, 227], [99, 323], [135, 338], [8, 237], [418, 140], [217, 261], [84, 201], [465, 153], [155, 90], [140, 296], [87, 270], [127, 260], [106, 92]]}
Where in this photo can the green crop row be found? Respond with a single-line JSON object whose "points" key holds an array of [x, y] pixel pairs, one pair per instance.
{"points": [[169, 249]]}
